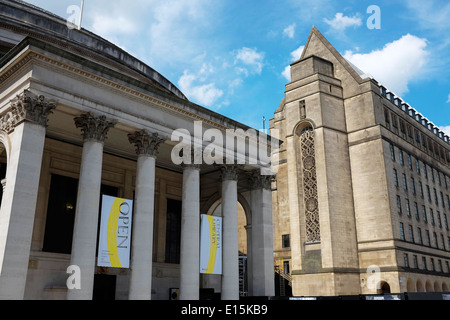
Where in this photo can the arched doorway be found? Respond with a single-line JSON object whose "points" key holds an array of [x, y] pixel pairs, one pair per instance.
{"points": [[428, 286], [214, 207], [384, 288]]}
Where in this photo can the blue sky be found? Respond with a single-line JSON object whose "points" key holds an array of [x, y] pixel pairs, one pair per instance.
{"points": [[231, 55]]}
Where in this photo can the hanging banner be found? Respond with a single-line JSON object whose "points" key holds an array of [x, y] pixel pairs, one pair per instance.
{"points": [[115, 232], [211, 244]]}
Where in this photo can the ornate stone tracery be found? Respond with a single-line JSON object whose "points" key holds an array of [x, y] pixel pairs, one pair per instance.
{"points": [[146, 143], [27, 106], [310, 184]]}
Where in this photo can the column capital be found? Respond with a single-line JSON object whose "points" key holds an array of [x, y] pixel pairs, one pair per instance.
{"points": [[146, 143], [93, 127], [230, 171], [261, 181], [27, 106]]}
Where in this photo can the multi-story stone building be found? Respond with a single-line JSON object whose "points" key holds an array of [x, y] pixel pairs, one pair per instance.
{"points": [[361, 203], [80, 118]]}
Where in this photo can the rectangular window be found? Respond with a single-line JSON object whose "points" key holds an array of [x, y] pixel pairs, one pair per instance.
{"points": [[402, 161], [395, 177], [445, 221], [448, 201], [416, 211], [416, 263], [427, 237], [421, 189], [424, 214], [418, 166], [402, 231], [419, 234], [405, 185], [432, 264], [173, 231], [425, 170], [391, 147], [424, 263], [411, 234], [406, 260], [413, 186], [438, 215], [429, 193], [285, 241], [408, 209], [443, 241], [435, 239], [409, 162], [399, 205], [432, 216], [435, 196]]}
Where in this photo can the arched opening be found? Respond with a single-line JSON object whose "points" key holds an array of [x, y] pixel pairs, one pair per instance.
{"points": [[214, 208], [437, 287], [444, 287], [410, 287], [419, 286], [428, 286], [384, 288]]}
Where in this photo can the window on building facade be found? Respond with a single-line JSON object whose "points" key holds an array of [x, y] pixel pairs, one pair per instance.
{"points": [[427, 236], [409, 162], [416, 211], [411, 233], [285, 241], [419, 235], [432, 216], [173, 231], [406, 260], [395, 177], [307, 147], [391, 147], [399, 205], [424, 214], [402, 231], [416, 263], [408, 208], [424, 263]]}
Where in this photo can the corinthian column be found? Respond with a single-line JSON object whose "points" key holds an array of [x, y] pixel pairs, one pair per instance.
{"points": [[230, 260], [94, 129], [141, 255], [24, 123]]}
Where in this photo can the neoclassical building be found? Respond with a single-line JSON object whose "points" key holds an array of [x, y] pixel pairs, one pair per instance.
{"points": [[81, 118], [361, 203]]}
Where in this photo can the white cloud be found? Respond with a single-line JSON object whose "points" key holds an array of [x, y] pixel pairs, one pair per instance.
{"points": [[448, 100], [341, 22], [446, 130], [289, 31], [203, 94], [251, 58], [295, 55], [396, 65]]}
